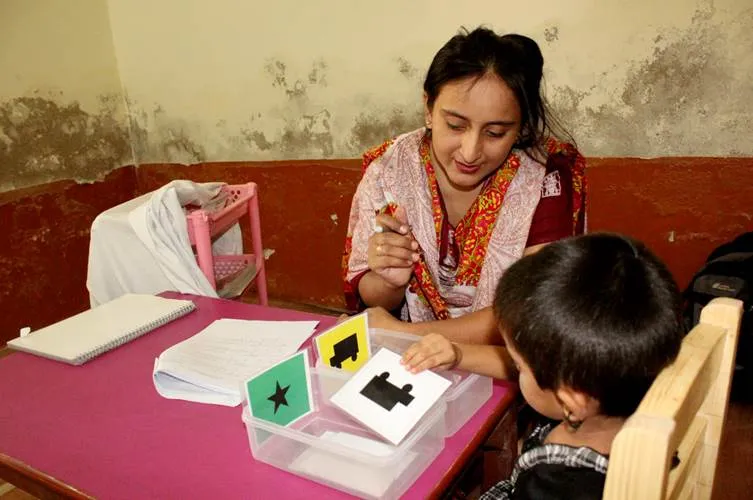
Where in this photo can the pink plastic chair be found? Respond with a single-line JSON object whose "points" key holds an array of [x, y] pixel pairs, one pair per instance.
{"points": [[204, 225]]}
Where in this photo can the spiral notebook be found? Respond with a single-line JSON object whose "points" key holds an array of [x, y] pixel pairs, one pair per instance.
{"points": [[84, 336]]}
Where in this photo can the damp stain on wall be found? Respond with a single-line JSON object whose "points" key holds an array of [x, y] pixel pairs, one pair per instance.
{"points": [[677, 101], [685, 97], [552, 34], [371, 129], [300, 124], [157, 137], [44, 139], [407, 69], [306, 129]]}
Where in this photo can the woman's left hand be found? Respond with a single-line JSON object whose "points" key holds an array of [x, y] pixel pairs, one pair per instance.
{"points": [[380, 317], [434, 351]]}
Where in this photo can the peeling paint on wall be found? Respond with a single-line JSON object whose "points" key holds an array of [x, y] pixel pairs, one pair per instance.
{"points": [[300, 127], [306, 127], [374, 128], [680, 88], [677, 99], [43, 139], [552, 34], [407, 69], [158, 137]]}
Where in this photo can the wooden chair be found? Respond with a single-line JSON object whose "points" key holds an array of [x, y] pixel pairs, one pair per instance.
{"points": [[682, 416]]}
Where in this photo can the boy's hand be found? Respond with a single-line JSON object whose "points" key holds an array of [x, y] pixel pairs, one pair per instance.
{"points": [[433, 351]]}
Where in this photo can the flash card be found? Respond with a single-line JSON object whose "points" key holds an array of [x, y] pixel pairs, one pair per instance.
{"points": [[345, 346], [387, 398], [281, 394]]}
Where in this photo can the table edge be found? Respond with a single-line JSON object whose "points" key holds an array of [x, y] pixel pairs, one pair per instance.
{"points": [[36, 482]]}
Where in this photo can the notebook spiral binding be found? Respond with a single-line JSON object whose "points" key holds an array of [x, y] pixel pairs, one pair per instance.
{"points": [[148, 327]]}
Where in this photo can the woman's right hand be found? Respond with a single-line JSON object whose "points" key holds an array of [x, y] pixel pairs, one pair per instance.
{"points": [[393, 252]]}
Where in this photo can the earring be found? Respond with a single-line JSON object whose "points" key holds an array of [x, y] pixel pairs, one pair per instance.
{"points": [[572, 423]]}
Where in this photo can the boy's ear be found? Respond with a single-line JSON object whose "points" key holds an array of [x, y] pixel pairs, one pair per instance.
{"points": [[578, 403]]}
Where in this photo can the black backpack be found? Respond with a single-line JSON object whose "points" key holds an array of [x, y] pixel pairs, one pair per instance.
{"points": [[728, 272]]}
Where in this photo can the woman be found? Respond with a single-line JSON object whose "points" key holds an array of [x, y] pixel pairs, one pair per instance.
{"points": [[442, 211]]}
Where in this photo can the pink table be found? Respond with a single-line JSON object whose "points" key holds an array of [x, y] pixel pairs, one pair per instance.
{"points": [[102, 430]]}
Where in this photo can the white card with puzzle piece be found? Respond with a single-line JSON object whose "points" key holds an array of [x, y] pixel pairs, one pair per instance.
{"points": [[387, 398]]}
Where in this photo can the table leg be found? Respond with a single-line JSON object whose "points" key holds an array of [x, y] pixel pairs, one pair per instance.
{"points": [[493, 461], [501, 449]]}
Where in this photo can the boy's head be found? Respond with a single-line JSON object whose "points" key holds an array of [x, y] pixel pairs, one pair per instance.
{"points": [[590, 321]]}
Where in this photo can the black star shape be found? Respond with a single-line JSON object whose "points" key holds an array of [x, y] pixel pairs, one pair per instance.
{"points": [[278, 398]]}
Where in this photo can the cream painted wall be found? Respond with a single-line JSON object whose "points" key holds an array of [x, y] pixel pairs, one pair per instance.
{"points": [[61, 105], [242, 80]]}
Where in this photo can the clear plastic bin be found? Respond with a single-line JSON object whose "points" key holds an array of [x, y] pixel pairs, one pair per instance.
{"points": [[329, 447], [466, 395]]}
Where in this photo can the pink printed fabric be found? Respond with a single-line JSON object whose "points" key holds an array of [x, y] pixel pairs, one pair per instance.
{"points": [[400, 171]]}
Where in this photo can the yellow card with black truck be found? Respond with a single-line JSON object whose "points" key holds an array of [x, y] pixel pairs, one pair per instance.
{"points": [[345, 346]]}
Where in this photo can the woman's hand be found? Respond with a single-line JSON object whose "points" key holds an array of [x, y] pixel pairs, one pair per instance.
{"points": [[393, 251], [433, 351], [341, 318], [380, 317]]}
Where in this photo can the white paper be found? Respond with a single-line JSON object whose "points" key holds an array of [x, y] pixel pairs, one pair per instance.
{"points": [[211, 366], [422, 390], [349, 473]]}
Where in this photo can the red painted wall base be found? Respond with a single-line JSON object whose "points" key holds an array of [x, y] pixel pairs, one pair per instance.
{"points": [[681, 207]]}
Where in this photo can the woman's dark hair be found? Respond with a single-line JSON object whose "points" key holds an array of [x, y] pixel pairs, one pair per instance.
{"points": [[598, 313], [516, 59]]}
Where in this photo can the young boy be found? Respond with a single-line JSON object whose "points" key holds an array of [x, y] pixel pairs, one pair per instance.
{"points": [[588, 323]]}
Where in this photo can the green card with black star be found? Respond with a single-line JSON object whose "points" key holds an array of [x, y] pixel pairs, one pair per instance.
{"points": [[281, 394]]}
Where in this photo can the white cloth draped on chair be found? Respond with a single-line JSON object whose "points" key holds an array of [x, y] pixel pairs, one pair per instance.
{"points": [[142, 246]]}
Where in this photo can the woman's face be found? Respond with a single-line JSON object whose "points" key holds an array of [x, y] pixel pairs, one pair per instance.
{"points": [[474, 124]]}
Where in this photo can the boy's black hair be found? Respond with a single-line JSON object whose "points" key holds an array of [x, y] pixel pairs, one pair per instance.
{"points": [[599, 313]]}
